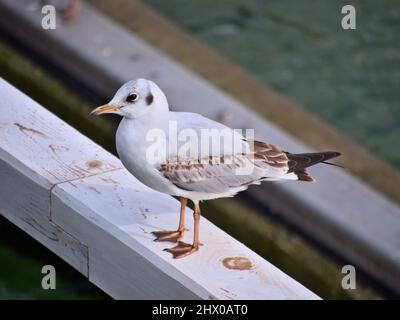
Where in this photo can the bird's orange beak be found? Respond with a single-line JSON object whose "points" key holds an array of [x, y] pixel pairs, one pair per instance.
{"points": [[106, 108]]}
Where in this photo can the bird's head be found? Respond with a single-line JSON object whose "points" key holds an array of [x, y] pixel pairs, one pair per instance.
{"points": [[134, 99]]}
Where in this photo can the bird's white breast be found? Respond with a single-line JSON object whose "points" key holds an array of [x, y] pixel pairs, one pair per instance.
{"points": [[132, 145]]}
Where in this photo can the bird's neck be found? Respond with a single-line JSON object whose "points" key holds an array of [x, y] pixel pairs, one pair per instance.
{"points": [[137, 134], [156, 119]]}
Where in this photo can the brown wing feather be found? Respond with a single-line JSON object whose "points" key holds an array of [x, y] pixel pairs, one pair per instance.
{"points": [[220, 171], [264, 154], [269, 154]]}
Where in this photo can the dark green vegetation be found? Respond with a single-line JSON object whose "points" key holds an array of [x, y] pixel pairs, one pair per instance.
{"points": [[348, 78], [21, 262]]}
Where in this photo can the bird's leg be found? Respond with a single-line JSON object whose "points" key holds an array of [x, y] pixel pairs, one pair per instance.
{"points": [[183, 249], [174, 236]]}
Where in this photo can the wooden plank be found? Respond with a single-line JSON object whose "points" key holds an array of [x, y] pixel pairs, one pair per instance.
{"points": [[34, 136], [117, 201], [49, 139], [333, 211], [26, 203], [99, 219]]}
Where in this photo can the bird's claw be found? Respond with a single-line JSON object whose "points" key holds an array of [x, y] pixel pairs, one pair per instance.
{"points": [[182, 249], [164, 235]]}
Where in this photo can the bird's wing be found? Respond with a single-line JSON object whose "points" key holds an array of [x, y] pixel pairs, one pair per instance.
{"points": [[214, 172], [187, 123]]}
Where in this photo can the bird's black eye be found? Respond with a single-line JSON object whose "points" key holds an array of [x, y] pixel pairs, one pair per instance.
{"points": [[131, 97]]}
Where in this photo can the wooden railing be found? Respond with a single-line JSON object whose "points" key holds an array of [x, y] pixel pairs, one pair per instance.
{"points": [[78, 200]]}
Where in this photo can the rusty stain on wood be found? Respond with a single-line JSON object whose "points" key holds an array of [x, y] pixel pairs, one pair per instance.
{"points": [[94, 164], [237, 263]]}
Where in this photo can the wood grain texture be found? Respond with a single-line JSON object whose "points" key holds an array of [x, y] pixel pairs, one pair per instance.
{"points": [[24, 202], [77, 200], [49, 152]]}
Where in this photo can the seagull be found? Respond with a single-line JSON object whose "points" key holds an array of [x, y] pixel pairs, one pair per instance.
{"points": [[216, 171]]}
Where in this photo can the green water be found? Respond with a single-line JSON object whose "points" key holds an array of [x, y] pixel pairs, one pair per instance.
{"points": [[349, 78]]}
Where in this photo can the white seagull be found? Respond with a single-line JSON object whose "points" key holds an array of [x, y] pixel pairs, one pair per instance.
{"points": [[220, 170]]}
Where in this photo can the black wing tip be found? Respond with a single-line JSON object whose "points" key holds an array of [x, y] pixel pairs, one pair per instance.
{"points": [[327, 155], [332, 154], [301, 161]]}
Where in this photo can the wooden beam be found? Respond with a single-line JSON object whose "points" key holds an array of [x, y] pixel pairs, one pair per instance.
{"points": [[77, 199]]}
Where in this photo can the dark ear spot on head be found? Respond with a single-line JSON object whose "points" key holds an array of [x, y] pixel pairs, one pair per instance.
{"points": [[149, 99]]}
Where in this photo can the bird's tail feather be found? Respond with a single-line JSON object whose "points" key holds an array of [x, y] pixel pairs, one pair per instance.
{"points": [[298, 163], [333, 164]]}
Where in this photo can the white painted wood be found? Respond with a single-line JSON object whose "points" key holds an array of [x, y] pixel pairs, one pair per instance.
{"points": [[50, 154], [340, 211], [76, 199], [35, 154], [25, 203]]}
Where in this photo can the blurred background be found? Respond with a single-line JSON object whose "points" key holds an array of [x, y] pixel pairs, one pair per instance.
{"points": [[348, 79]]}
